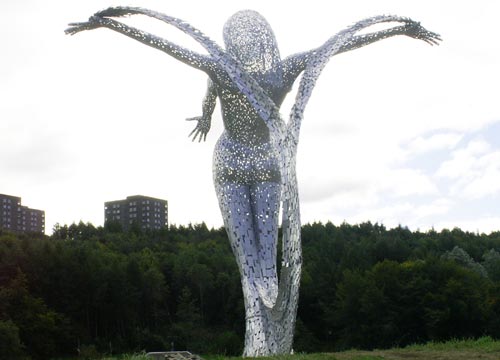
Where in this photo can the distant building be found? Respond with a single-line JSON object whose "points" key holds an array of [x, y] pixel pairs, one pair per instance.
{"points": [[17, 218], [146, 212]]}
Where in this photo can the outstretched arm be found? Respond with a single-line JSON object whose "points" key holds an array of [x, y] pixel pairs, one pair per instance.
{"points": [[295, 64], [204, 121], [411, 29], [100, 19]]}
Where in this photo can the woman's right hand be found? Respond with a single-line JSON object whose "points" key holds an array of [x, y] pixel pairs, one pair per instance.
{"points": [[94, 22], [201, 129]]}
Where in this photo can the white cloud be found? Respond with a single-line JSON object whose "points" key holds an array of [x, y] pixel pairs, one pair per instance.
{"points": [[440, 206], [474, 170], [405, 182], [463, 162], [445, 141], [487, 183], [315, 189], [390, 215]]}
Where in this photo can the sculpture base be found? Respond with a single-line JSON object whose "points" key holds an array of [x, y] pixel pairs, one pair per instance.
{"points": [[173, 355]]}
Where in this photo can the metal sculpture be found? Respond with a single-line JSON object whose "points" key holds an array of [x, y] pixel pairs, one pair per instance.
{"points": [[254, 159]]}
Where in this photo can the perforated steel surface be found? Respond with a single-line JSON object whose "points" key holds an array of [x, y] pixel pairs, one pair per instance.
{"points": [[254, 159]]}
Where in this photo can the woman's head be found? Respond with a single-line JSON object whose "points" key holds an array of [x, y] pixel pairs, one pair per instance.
{"points": [[248, 37]]}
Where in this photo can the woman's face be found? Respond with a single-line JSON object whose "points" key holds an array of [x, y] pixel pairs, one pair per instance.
{"points": [[248, 37]]}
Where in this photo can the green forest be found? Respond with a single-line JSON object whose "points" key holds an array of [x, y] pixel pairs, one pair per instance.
{"points": [[101, 290]]}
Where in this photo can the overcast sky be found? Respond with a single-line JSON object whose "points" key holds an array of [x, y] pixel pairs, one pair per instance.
{"points": [[398, 132]]}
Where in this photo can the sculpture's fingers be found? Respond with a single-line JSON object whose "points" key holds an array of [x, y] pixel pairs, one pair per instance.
{"points": [[436, 38], [432, 41], [430, 37], [77, 23], [203, 135], [92, 23], [193, 118], [196, 135], [71, 30], [191, 133], [77, 27]]}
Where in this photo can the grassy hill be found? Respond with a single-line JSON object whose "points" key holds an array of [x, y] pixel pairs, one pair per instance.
{"points": [[484, 348]]}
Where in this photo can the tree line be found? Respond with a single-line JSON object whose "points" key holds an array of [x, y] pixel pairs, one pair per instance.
{"points": [[363, 286]]}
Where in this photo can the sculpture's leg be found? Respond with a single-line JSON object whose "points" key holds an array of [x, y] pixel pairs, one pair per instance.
{"points": [[236, 208], [265, 203], [264, 200]]}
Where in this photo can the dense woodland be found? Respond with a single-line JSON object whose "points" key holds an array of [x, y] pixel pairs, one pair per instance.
{"points": [[363, 286]]}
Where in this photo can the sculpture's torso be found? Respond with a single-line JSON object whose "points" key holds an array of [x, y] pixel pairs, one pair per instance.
{"points": [[241, 121], [243, 153]]}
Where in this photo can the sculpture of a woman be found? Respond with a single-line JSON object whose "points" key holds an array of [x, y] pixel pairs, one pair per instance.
{"points": [[254, 159]]}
